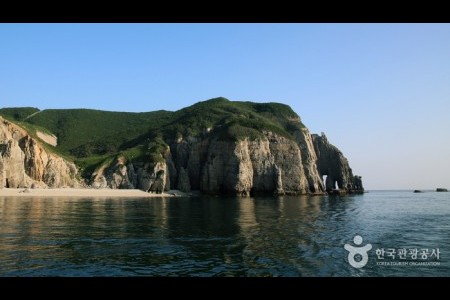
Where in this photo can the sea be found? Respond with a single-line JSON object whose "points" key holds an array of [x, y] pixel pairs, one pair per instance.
{"points": [[375, 234]]}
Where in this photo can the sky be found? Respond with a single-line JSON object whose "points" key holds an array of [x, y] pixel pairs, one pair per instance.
{"points": [[380, 92]]}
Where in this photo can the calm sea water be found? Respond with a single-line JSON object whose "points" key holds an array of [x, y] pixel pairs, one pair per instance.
{"points": [[219, 236]]}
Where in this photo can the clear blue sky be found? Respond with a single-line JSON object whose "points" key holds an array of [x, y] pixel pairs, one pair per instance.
{"points": [[381, 92]]}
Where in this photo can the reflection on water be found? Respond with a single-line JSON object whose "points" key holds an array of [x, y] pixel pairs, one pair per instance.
{"points": [[217, 236]]}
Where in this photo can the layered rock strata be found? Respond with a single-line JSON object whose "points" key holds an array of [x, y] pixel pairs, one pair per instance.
{"points": [[25, 162]]}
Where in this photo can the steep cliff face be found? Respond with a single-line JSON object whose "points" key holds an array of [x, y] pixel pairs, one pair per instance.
{"points": [[24, 162], [309, 159], [333, 164], [270, 164], [120, 174], [216, 146]]}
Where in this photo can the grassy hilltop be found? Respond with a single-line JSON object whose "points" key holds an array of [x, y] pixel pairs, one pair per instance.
{"points": [[89, 137]]}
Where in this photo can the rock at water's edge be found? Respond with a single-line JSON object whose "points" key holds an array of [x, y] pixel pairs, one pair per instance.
{"points": [[24, 161]]}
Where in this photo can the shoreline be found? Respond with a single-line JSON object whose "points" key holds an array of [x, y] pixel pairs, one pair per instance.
{"points": [[77, 192]]}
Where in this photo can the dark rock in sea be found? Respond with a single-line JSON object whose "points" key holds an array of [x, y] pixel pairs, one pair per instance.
{"points": [[418, 191], [337, 192], [441, 190], [333, 164]]}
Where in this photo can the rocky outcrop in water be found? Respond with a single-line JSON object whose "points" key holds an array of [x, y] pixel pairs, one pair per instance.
{"points": [[267, 165], [216, 147], [272, 164], [333, 164], [25, 162]]}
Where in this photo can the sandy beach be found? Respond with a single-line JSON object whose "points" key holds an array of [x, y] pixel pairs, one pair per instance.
{"points": [[72, 192]]}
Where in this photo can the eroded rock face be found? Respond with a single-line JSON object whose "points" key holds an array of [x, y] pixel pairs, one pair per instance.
{"points": [[184, 184], [309, 160], [2, 173], [14, 168], [271, 164], [26, 162], [158, 184], [117, 176], [268, 165], [126, 175], [332, 163]]}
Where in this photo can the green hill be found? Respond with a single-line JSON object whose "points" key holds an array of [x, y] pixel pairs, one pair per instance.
{"points": [[92, 136], [18, 113], [84, 132]]}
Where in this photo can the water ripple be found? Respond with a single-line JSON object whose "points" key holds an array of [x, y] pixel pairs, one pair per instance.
{"points": [[265, 236]]}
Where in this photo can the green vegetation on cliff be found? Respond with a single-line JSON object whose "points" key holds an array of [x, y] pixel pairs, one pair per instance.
{"points": [[232, 119], [92, 136], [17, 113]]}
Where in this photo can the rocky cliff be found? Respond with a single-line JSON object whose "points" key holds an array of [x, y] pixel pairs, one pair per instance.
{"points": [[121, 174], [271, 164], [24, 161], [216, 147], [332, 164]]}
